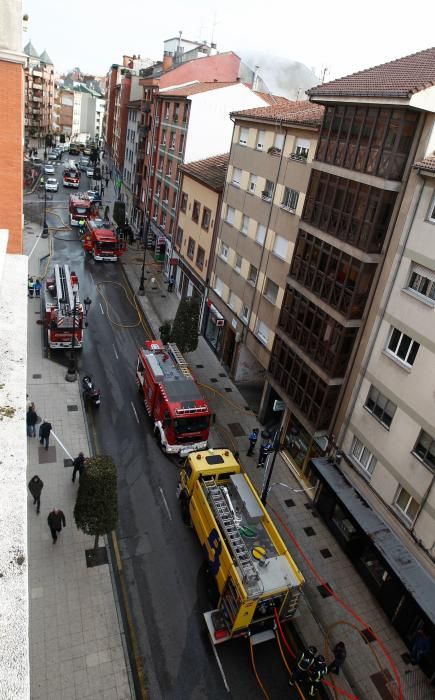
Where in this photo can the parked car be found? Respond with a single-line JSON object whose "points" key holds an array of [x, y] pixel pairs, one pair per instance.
{"points": [[90, 171], [51, 184], [94, 195], [84, 164], [48, 169]]}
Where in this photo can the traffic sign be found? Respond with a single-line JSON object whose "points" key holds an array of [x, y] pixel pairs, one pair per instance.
{"points": [[278, 405]]}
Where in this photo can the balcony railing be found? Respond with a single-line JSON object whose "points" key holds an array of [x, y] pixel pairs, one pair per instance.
{"points": [[266, 196], [298, 157]]}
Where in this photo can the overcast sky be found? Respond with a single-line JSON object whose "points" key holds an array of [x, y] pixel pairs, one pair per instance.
{"points": [[331, 33]]}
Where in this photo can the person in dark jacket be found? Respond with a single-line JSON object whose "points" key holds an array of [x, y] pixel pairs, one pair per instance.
{"points": [[303, 664], [265, 448], [340, 654], [79, 466], [316, 674], [55, 521], [35, 487], [31, 420], [253, 437], [44, 432]]}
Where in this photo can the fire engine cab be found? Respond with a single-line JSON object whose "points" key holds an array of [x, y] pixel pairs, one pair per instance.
{"points": [[63, 310], [172, 398], [71, 176], [101, 241], [80, 207], [254, 577]]}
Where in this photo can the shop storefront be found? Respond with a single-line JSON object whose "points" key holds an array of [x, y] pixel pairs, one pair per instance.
{"points": [[214, 324], [301, 446]]}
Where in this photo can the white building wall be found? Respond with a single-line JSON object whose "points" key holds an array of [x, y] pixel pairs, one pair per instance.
{"points": [[210, 127]]}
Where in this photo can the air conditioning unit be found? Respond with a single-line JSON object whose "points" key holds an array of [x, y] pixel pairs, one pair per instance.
{"points": [[220, 322]]}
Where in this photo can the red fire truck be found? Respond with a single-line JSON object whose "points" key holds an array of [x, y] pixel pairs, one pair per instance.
{"points": [[172, 398], [71, 175], [81, 207], [63, 310], [101, 241]]}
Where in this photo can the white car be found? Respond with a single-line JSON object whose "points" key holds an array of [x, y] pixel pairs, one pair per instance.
{"points": [[49, 169], [90, 171], [51, 184]]}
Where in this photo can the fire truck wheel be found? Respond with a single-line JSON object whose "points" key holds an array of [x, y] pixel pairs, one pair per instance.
{"points": [[184, 507], [158, 438]]}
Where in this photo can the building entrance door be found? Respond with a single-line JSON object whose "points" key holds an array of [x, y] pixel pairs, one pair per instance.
{"points": [[229, 345]]}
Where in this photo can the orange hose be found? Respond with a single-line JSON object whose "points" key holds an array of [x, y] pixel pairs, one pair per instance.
{"points": [[343, 604], [260, 684]]}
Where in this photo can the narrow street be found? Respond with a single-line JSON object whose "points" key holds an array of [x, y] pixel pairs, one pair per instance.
{"points": [[161, 557]]}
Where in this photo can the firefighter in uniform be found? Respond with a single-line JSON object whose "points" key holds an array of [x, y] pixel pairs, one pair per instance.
{"points": [[316, 674], [81, 226], [304, 662], [265, 448]]}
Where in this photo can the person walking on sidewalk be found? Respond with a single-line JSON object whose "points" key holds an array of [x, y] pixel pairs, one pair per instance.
{"points": [[31, 420], [35, 487], [340, 654], [253, 437], [37, 288], [102, 190], [55, 521], [44, 433], [265, 448], [79, 466], [107, 181]]}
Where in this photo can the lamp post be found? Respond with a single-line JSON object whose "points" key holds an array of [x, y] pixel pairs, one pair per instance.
{"points": [[276, 445], [71, 374], [141, 291], [87, 304], [146, 129], [44, 233]]}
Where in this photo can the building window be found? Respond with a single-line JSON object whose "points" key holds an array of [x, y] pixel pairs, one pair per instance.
{"points": [[183, 203], [172, 141], [160, 166], [232, 301], [425, 449], [195, 211], [252, 274], [280, 247], [379, 406], [237, 175], [252, 183], [166, 194], [243, 136], [176, 111], [302, 149], [231, 212], [402, 347], [271, 291], [261, 135], [245, 224], [218, 286], [169, 168], [179, 237], [223, 253], [167, 112], [262, 332], [200, 257], [267, 193], [362, 456], [260, 234], [278, 143], [206, 217], [406, 504], [191, 248], [244, 313], [238, 263], [422, 282], [163, 141], [290, 199], [185, 111]]}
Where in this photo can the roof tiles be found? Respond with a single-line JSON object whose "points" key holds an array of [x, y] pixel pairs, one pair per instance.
{"points": [[194, 89], [427, 164], [210, 171], [400, 78], [301, 112]]}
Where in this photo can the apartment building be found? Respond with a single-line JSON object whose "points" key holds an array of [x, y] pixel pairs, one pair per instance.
{"points": [[269, 167], [130, 182], [191, 123], [196, 227], [12, 61], [38, 96]]}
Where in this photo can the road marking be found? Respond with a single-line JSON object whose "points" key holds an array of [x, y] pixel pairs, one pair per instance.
{"points": [[134, 411], [36, 243], [165, 503], [101, 309], [219, 663], [114, 350], [92, 277]]}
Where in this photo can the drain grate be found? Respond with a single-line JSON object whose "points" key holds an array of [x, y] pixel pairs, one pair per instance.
{"points": [[368, 635], [214, 381], [227, 389], [46, 456], [236, 429], [289, 503], [199, 366], [36, 376], [222, 374], [73, 407], [309, 531], [324, 590], [326, 554]]}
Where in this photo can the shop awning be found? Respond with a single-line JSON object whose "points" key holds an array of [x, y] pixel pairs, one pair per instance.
{"points": [[410, 572]]}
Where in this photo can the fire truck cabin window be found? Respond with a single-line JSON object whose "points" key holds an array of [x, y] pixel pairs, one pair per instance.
{"points": [[191, 425]]}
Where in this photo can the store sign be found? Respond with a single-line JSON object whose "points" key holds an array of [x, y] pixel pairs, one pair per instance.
{"points": [[278, 405]]}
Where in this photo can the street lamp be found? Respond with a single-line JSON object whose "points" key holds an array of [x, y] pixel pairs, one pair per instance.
{"points": [[71, 374], [276, 446], [87, 304], [141, 291], [45, 225]]}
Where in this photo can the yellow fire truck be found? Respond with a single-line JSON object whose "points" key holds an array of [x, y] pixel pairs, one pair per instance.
{"points": [[254, 573]]}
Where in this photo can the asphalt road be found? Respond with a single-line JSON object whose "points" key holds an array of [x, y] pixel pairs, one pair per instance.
{"points": [[161, 557]]}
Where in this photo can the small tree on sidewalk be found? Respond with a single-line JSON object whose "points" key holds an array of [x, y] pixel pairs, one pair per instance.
{"points": [[184, 331], [96, 508]]}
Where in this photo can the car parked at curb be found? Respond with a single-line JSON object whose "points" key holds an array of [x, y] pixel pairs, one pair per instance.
{"points": [[51, 184]]}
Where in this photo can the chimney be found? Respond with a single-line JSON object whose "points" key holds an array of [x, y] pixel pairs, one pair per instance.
{"points": [[167, 61]]}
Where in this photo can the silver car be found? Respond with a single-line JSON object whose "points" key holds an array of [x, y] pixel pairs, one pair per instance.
{"points": [[51, 184]]}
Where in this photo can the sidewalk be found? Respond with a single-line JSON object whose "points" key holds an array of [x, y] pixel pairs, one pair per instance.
{"points": [[321, 619], [76, 640]]}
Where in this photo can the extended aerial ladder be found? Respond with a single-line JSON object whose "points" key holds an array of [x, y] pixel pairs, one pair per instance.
{"points": [[63, 311]]}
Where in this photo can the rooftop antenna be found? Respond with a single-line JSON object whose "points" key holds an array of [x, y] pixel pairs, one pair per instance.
{"points": [[179, 39], [213, 27], [324, 72]]}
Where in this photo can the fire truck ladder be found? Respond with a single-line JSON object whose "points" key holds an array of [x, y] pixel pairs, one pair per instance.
{"points": [[64, 292], [179, 359], [240, 551]]}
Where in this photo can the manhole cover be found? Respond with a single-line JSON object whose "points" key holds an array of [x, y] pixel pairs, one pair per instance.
{"points": [[96, 558], [36, 376], [46, 456], [326, 554], [324, 590], [73, 407], [236, 429], [227, 389], [309, 531], [289, 503], [67, 463]]}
